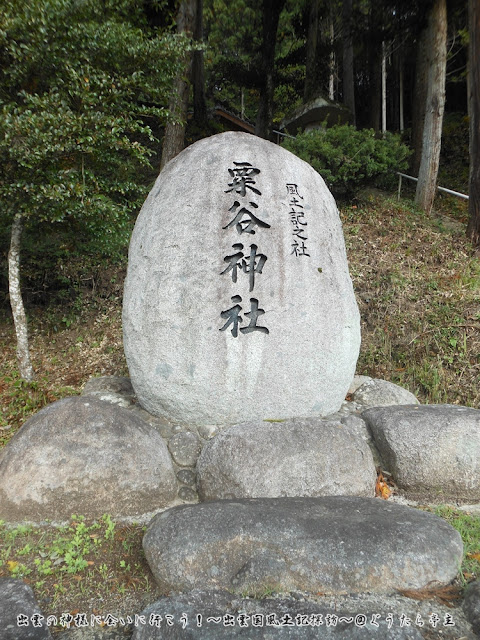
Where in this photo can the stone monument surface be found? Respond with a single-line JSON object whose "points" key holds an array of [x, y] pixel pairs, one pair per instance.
{"points": [[238, 302]]}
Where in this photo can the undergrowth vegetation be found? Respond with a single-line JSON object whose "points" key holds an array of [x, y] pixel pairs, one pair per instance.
{"points": [[77, 567], [417, 282], [349, 159]]}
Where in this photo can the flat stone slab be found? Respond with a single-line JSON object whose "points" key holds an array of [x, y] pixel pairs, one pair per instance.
{"points": [[17, 599], [214, 615], [83, 455], [332, 544], [431, 450], [297, 457], [238, 302]]}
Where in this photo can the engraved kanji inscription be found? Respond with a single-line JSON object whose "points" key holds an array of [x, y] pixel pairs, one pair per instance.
{"points": [[242, 178], [298, 220], [244, 220], [252, 264], [233, 317]]}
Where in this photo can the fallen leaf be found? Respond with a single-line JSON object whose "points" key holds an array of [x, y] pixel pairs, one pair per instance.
{"points": [[445, 595], [382, 490]]}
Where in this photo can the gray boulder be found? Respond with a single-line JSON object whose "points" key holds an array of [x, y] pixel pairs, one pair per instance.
{"points": [[20, 616], [238, 303], [356, 425], [114, 389], [185, 448], [431, 450], [96, 632], [471, 605], [357, 382], [381, 393], [82, 455], [112, 384], [333, 544], [298, 457]]}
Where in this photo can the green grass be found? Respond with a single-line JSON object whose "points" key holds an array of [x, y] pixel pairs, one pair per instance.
{"points": [[468, 526], [68, 567], [417, 281]]}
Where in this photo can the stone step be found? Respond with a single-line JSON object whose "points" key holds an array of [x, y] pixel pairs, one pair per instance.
{"points": [[215, 615], [332, 545]]}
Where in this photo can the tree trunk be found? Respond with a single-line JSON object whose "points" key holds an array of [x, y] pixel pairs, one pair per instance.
{"points": [[174, 138], [473, 228], [16, 302], [432, 131], [198, 71], [419, 100], [311, 80], [270, 15], [348, 74], [375, 72], [401, 118], [331, 65], [384, 87]]}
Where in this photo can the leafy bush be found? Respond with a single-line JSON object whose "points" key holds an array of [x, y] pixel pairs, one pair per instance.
{"points": [[80, 85], [349, 159]]}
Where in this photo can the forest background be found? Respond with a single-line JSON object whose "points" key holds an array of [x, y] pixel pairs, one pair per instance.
{"points": [[96, 96]]}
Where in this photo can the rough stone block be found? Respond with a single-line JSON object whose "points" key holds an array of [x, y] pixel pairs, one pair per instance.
{"points": [[381, 393], [288, 619], [299, 457], [185, 448], [433, 451], [82, 455], [471, 605], [17, 599]]}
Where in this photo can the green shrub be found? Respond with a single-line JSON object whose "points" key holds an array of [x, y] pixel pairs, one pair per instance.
{"points": [[349, 159]]}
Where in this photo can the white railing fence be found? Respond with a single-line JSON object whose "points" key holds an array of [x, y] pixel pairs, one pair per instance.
{"points": [[452, 193]]}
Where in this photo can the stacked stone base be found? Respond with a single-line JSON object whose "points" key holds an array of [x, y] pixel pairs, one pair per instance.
{"points": [[287, 525]]}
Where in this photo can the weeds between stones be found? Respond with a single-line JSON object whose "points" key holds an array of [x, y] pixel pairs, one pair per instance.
{"points": [[83, 566]]}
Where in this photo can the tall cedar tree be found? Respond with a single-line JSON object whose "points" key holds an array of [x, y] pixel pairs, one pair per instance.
{"points": [[311, 80], [271, 10], [174, 138], [473, 228], [198, 70], [435, 103], [348, 71]]}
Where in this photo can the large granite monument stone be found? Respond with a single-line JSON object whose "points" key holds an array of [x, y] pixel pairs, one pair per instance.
{"points": [[238, 302]]}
